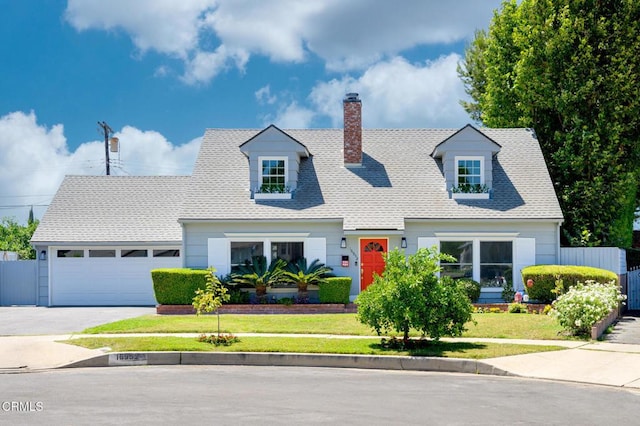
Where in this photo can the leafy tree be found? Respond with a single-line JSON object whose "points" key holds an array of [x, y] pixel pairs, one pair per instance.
{"points": [[570, 70], [410, 295], [17, 238]]}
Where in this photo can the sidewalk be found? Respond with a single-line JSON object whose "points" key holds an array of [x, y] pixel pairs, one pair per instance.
{"points": [[603, 363]]}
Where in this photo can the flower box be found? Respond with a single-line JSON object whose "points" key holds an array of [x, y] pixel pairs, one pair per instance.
{"points": [[272, 196], [470, 196]]}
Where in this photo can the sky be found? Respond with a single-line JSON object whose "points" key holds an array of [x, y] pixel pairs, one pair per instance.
{"points": [[160, 72]]}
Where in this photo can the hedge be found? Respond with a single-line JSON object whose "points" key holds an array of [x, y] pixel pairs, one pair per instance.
{"points": [[177, 286], [544, 279], [335, 290]]}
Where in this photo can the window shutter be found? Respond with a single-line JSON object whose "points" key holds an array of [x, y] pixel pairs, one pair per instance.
{"points": [[315, 248], [525, 255], [428, 242], [219, 255]]}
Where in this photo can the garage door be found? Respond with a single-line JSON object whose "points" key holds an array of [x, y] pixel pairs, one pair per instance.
{"points": [[106, 276]]}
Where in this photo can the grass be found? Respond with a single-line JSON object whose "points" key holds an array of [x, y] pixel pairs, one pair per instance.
{"points": [[503, 325], [309, 345]]}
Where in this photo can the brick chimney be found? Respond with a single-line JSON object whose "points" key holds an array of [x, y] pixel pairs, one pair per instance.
{"points": [[352, 130]]}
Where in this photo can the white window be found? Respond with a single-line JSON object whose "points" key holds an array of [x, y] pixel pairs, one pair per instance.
{"points": [[488, 262], [273, 175], [243, 253], [469, 172]]}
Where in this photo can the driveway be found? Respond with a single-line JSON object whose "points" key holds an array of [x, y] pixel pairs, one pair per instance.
{"points": [[626, 330], [30, 320]]}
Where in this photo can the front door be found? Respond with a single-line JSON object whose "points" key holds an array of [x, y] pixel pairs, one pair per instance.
{"points": [[371, 259]]}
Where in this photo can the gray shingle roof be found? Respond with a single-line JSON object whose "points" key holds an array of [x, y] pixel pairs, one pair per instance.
{"points": [[89, 209], [399, 180]]}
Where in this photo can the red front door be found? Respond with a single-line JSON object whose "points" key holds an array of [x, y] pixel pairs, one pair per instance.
{"points": [[371, 259]]}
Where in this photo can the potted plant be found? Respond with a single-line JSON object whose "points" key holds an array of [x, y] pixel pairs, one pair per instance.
{"points": [[303, 275], [259, 275]]}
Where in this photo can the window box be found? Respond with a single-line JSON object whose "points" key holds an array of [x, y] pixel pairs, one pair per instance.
{"points": [[470, 195], [272, 196]]}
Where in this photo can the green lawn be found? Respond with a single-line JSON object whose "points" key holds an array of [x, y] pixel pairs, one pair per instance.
{"points": [[503, 325], [309, 345]]}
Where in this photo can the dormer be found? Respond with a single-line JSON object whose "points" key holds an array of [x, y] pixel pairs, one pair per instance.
{"points": [[467, 163], [274, 164]]}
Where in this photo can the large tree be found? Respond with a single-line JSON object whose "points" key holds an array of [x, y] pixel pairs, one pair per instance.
{"points": [[17, 238], [569, 69]]}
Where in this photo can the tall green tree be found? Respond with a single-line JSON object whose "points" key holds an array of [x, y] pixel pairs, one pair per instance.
{"points": [[17, 238], [570, 69]]}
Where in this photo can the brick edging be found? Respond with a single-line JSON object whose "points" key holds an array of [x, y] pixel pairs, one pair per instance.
{"points": [[312, 308]]}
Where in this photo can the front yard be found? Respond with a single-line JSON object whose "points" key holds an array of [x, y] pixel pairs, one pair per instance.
{"points": [[503, 325]]}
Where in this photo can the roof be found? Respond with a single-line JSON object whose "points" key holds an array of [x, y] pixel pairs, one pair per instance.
{"points": [[398, 180], [117, 209]]}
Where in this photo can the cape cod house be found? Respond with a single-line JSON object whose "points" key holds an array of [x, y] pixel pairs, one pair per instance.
{"points": [[343, 196]]}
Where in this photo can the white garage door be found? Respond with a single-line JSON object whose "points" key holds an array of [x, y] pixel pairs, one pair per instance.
{"points": [[105, 276]]}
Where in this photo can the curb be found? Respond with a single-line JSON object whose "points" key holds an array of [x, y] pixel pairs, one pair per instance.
{"points": [[445, 365]]}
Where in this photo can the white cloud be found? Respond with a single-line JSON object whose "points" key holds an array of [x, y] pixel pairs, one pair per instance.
{"points": [[34, 159], [264, 96], [427, 95], [293, 116], [211, 36], [167, 26]]}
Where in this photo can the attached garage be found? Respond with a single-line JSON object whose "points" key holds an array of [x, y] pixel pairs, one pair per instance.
{"points": [[101, 237], [106, 276]]}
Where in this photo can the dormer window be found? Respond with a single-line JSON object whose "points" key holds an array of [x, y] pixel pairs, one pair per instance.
{"points": [[470, 174], [273, 176], [273, 179]]}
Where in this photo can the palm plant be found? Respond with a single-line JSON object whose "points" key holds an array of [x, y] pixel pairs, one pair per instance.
{"points": [[259, 275], [302, 275]]}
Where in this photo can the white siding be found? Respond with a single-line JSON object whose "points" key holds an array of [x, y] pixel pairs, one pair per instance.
{"points": [[315, 248], [219, 255], [524, 255]]}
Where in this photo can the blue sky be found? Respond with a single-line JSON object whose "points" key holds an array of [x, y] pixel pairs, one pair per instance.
{"points": [[160, 72]]}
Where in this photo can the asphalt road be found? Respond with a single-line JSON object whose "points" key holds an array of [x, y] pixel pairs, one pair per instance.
{"points": [[282, 395]]}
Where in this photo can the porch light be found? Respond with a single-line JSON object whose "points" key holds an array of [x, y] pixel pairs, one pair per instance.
{"points": [[43, 255], [403, 242], [343, 243]]}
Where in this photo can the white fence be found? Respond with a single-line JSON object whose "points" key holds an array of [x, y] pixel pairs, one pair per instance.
{"points": [[609, 258], [18, 283]]}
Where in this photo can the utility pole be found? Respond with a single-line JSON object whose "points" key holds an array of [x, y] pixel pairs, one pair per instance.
{"points": [[107, 131]]}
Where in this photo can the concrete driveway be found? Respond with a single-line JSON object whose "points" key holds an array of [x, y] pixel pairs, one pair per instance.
{"points": [[32, 320]]}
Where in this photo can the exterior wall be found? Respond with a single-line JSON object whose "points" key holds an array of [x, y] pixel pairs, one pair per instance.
{"points": [[197, 235], [546, 234]]}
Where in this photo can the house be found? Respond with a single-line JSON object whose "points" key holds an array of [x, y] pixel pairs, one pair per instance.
{"points": [[343, 196]]}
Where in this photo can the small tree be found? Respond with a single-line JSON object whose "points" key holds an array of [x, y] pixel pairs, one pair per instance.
{"points": [[212, 297], [410, 295]]}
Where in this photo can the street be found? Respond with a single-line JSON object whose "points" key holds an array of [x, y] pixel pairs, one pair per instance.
{"points": [[283, 395]]}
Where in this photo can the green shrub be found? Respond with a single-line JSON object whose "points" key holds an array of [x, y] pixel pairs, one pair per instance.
{"points": [[237, 296], [177, 286], [335, 290], [471, 288], [409, 295], [543, 279], [517, 308], [585, 304]]}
